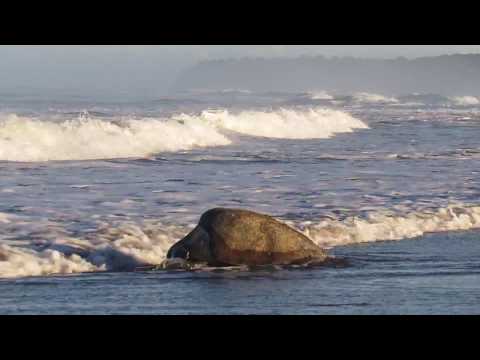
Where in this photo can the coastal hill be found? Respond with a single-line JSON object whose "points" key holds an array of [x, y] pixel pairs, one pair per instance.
{"points": [[444, 75]]}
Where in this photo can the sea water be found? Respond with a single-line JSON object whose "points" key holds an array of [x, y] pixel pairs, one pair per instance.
{"points": [[91, 190]]}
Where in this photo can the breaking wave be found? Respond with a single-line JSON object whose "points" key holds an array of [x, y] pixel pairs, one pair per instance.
{"points": [[369, 98], [127, 246], [312, 123], [385, 226], [465, 100], [320, 95], [112, 247], [28, 139]]}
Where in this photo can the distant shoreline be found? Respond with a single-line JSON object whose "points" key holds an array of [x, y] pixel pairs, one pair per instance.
{"points": [[457, 74]]}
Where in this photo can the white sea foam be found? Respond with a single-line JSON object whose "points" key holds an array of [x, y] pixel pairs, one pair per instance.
{"points": [[88, 138], [369, 98], [20, 262], [384, 226], [320, 95], [465, 100], [113, 247], [26, 139], [126, 246], [312, 123]]}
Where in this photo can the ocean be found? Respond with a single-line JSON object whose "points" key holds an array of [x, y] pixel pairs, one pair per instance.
{"points": [[92, 190]]}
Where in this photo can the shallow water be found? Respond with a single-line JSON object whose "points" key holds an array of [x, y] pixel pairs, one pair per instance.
{"points": [[372, 171], [437, 274]]}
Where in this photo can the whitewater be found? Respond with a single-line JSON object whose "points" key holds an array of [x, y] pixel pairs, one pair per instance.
{"points": [[106, 190], [129, 246], [27, 139]]}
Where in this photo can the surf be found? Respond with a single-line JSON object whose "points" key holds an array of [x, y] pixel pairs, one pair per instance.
{"points": [[30, 139], [126, 246]]}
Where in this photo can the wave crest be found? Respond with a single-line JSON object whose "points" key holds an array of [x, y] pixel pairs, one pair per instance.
{"points": [[369, 98], [382, 226], [27, 139], [465, 100], [30, 140], [320, 95], [312, 123]]}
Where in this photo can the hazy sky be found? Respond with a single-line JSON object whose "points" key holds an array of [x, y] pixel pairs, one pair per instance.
{"points": [[330, 50], [150, 70], [214, 51]]}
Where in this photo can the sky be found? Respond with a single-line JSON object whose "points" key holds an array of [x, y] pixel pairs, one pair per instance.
{"points": [[383, 51], [151, 70]]}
